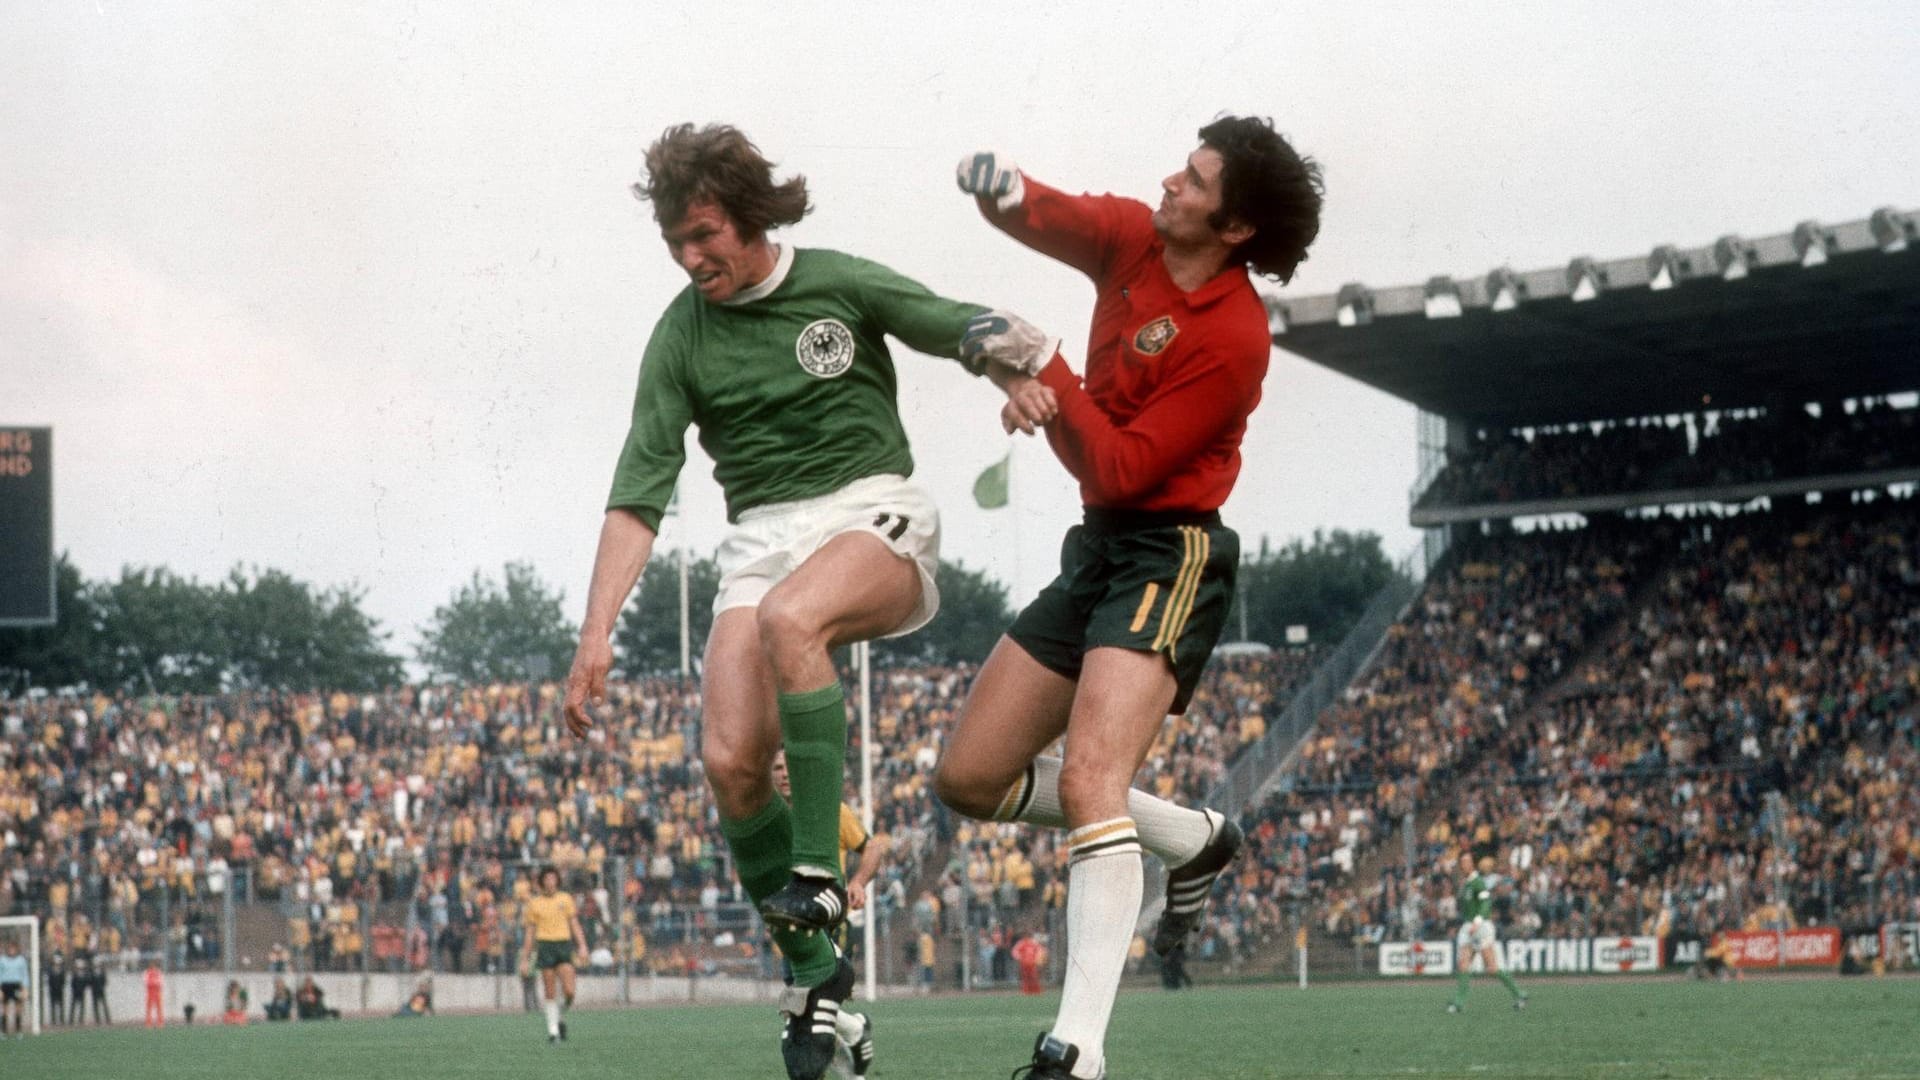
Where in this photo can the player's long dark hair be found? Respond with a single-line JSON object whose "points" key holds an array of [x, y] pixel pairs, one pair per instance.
{"points": [[688, 164], [1270, 186]]}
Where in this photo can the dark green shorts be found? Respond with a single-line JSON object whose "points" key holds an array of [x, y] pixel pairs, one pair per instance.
{"points": [[549, 954], [1154, 582]]}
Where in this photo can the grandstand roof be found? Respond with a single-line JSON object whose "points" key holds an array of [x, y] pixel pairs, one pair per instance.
{"points": [[1819, 313]]}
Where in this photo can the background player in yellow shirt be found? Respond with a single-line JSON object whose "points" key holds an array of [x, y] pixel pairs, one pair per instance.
{"points": [[854, 1030], [553, 936]]}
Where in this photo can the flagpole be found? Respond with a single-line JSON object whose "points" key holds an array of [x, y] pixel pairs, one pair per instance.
{"points": [[686, 633], [865, 650], [1013, 507]]}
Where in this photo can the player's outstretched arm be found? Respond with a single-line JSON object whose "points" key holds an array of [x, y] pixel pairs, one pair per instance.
{"points": [[1119, 462], [1079, 230], [626, 542]]}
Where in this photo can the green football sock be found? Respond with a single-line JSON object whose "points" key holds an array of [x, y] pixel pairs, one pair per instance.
{"points": [[1461, 977], [761, 846], [815, 726], [1508, 980]]}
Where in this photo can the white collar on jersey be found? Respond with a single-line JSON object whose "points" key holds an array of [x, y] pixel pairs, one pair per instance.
{"points": [[782, 264]]}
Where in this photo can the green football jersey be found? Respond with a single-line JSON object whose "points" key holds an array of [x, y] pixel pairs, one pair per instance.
{"points": [[1476, 899], [790, 383]]}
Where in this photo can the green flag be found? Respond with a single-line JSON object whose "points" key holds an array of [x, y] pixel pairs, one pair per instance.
{"points": [[990, 490]]}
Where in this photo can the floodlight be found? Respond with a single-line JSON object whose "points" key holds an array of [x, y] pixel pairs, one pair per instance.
{"points": [[1506, 289], [1732, 257], [1585, 280], [1892, 230], [1443, 298], [1276, 316], [1811, 242], [1665, 267], [1356, 305]]}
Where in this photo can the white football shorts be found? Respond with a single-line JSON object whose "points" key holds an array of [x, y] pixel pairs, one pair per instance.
{"points": [[771, 541], [1476, 934]]}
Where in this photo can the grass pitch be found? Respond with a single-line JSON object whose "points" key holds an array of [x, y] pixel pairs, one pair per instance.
{"points": [[1796, 1028]]}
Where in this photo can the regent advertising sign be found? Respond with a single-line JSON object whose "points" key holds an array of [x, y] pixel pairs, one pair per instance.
{"points": [[1900, 944], [1813, 947]]}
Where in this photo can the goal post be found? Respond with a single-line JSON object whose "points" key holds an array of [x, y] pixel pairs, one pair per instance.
{"points": [[26, 930]]}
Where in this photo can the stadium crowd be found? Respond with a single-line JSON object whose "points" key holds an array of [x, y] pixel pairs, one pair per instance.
{"points": [[1608, 711], [1773, 653], [400, 827], [1483, 637], [1661, 453]]}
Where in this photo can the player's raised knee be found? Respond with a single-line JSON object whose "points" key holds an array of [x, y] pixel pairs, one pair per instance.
{"points": [[788, 627], [739, 773]]}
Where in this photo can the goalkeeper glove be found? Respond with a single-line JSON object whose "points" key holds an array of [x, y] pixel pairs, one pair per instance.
{"points": [[987, 175]]}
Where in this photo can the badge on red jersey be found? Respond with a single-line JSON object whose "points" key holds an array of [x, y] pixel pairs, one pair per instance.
{"points": [[1155, 336]]}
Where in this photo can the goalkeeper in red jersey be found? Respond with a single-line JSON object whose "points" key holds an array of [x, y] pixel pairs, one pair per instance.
{"points": [[1175, 360]]}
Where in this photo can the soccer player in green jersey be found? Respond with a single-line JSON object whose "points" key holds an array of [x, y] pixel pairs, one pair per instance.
{"points": [[778, 356], [1477, 934]]}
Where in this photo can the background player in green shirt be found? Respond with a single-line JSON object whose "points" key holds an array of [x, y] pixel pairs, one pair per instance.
{"points": [[1477, 933], [779, 358]]}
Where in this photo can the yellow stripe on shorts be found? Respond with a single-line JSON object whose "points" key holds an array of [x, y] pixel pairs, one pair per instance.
{"points": [[1146, 607], [1173, 621], [1179, 586]]}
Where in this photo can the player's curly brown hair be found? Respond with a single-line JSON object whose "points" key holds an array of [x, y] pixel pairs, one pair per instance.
{"points": [[688, 164], [1268, 185]]}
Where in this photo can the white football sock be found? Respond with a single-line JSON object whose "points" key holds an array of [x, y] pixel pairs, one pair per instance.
{"points": [[848, 1026], [553, 1017], [1103, 900], [1174, 833]]}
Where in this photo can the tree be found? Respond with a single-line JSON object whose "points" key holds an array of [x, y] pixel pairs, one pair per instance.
{"points": [[647, 639], [159, 633], [491, 632], [281, 633], [973, 615], [155, 631], [1323, 584]]}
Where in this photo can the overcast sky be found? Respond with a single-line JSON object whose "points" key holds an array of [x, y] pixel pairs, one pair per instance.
{"points": [[358, 292]]}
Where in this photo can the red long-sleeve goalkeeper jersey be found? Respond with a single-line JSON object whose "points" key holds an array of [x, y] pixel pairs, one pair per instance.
{"points": [[1171, 376]]}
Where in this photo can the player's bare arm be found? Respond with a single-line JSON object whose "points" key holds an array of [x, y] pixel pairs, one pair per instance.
{"points": [[625, 545], [872, 858]]}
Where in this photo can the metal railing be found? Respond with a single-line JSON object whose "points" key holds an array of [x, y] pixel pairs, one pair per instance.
{"points": [[1256, 766]]}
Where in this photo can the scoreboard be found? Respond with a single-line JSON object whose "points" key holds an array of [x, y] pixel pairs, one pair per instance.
{"points": [[26, 526]]}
